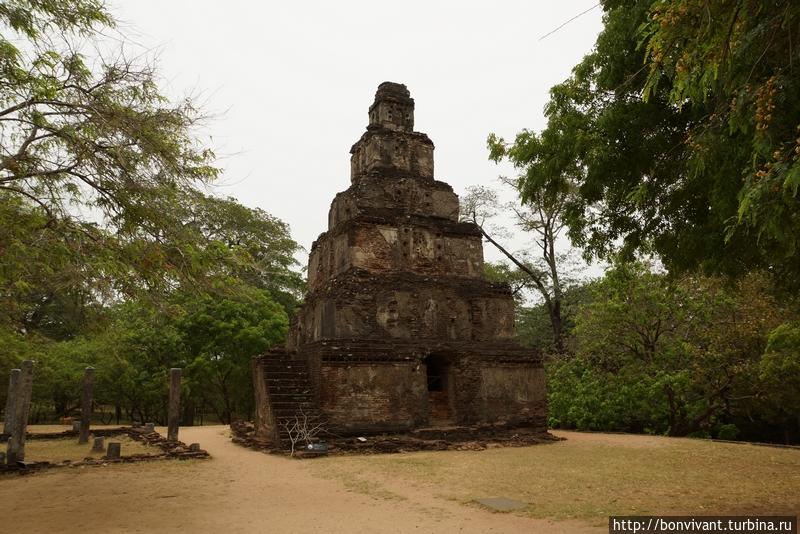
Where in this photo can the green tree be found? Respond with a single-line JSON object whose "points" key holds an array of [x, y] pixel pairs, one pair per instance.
{"points": [[244, 243], [779, 371], [664, 355], [110, 254], [545, 270], [220, 337], [679, 132], [45, 283], [533, 326], [213, 336], [92, 149]]}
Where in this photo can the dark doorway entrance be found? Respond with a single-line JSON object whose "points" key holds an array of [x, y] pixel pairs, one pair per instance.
{"points": [[437, 369]]}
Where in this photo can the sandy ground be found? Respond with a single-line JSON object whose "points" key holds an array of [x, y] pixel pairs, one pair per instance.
{"points": [[238, 490]]}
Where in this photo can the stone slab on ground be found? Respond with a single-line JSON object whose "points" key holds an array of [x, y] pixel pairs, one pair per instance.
{"points": [[501, 504]]}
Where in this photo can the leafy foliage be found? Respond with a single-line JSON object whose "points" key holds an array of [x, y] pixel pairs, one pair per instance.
{"points": [[110, 253], [95, 147], [533, 326], [780, 373], [683, 357], [679, 133]]}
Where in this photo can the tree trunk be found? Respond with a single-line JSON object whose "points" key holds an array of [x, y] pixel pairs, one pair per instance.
{"points": [[553, 302], [558, 326]]}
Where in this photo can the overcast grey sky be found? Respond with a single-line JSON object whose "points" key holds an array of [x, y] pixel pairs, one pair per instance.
{"points": [[290, 83]]}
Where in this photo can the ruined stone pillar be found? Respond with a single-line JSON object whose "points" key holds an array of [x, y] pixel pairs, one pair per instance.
{"points": [[22, 406], [114, 451], [86, 405], [174, 415], [8, 415]]}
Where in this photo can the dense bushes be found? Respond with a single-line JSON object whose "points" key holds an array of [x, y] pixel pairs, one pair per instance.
{"points": [[212, 337], [681, 357]]}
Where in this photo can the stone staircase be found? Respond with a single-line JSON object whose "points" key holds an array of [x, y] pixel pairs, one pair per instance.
{"points": [[291, 394]]}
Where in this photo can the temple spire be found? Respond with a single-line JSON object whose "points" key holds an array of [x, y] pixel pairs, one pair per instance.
{"points": [[393, 108], [390, 146]]}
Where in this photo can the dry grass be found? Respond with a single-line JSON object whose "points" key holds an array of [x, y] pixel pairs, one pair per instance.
{"points": [[58, 450], [591, 476]]}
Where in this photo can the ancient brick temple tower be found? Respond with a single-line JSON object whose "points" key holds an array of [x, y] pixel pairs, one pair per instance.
{"points": [[399, 329]]}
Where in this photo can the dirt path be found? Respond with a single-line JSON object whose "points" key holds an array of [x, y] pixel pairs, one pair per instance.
{"points": [[239, 490]]}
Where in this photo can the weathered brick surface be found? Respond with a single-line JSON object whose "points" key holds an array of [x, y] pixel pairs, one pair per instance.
{"points": [[369, 397], [284, 395], [392, 151], [399, 329], [360, 304], [386, 246], [398, 193]]}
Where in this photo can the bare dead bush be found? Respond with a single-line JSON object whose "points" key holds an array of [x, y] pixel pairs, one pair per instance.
{"points": [[301, 429]]}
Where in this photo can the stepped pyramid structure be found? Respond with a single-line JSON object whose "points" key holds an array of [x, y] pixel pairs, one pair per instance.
{"points": [[399, 329]]}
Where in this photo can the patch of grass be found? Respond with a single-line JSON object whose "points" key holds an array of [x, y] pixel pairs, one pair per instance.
{"points": [[593, 476], [58, 450], [354, 482], [371, 488]]}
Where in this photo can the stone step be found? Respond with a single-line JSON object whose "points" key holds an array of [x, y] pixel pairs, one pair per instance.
{"points": [[284, 395], [286, 377], [282, 421], [287, 381], [291, 394], [284, 425], [289, 388], [295, 411], [294, 406], [282, 416]]}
